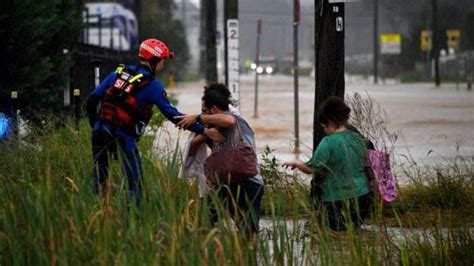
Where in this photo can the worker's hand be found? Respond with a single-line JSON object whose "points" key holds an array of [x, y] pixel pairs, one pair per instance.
{"points": [[214, 134], [186, 121]]}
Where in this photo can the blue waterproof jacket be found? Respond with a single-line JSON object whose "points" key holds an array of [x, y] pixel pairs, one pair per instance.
{"points": [[152, 93]]}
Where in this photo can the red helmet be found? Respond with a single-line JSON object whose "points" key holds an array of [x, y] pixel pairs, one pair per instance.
{"points": [[154, 48]]}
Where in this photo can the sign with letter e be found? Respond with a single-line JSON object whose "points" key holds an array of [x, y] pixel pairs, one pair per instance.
{"points": [[391, 43]]}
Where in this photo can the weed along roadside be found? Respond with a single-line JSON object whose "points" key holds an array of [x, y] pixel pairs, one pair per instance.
{"points": [[268, 132], [430, 221], [49, 214]]}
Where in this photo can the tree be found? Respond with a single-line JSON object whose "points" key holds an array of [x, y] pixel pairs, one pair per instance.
{"points": [[467, 31], [36, 39], [157, 22]]}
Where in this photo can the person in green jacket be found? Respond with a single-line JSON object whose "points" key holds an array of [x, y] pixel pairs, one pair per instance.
{"points": [[338, 167]]}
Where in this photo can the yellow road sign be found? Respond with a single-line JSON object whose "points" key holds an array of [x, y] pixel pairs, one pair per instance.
{"points": [[425, 40], [390, 43], [454, 36]]}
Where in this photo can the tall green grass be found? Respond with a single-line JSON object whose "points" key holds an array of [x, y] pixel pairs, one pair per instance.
{"points": [[50, 216]]}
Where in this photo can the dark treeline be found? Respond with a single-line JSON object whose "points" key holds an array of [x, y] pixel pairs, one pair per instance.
{"points": [[37, 40]]}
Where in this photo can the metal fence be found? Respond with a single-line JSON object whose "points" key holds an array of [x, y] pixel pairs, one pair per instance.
{"points": [[87, 57]]}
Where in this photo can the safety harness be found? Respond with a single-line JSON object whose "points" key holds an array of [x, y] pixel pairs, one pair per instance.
{"points": [[120, 106]]}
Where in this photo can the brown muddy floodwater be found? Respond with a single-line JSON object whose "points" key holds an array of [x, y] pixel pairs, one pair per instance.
{"points": [[434, 123]]}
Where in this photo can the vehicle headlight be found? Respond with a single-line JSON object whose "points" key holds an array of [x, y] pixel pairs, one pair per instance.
{"points": [[269, 70], [259, 70], [253, 66]]}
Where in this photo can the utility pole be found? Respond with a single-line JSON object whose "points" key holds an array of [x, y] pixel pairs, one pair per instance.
{"points": [[183, 15], [296, 22], [137, 6], [376, 40], [435, 50], [210, 25], [257, 62], [231, 11], [329, 56], [202, 38]]}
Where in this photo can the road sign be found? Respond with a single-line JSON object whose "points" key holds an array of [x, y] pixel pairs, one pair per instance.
{"points": [[454, 36], [425, 40], [233, 56], [391, 43]]}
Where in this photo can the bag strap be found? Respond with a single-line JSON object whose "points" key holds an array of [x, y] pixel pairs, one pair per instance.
{"points": [[237, 129], [236, 132]]}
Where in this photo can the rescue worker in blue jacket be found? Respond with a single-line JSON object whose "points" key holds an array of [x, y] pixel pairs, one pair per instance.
{"points": [[119, 110]]}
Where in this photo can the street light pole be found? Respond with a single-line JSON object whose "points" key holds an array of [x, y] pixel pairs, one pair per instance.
{"points": [[210, 36], [435, 53]]}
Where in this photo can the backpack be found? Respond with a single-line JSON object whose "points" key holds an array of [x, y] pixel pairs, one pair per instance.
{"points": [[383, 181], [120, 107]]}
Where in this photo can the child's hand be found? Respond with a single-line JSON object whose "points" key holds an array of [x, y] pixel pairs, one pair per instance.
{"points": [[214, 134], [292, 164]]}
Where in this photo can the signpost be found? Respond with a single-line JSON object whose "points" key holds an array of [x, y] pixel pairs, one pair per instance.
{"points": [[233, 57], [16, 121], [257, 62], [435, 51], [77, 108], [296, 22]]}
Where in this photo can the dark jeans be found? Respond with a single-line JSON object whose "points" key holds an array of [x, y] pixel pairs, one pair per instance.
{"points": [[105, 144], [243, 201], [338, 214]]}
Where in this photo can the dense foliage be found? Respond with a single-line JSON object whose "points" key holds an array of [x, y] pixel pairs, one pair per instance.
{"points": [[36, 42]]}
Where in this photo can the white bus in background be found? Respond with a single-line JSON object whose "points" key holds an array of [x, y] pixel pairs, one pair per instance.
{"points": [[110, 25]]}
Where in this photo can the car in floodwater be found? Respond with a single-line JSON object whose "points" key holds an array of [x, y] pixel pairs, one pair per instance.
{"points": [[266, 65]]}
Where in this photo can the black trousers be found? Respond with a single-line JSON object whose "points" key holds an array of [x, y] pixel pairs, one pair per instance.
{"points": [[105, 145], [243, 202], [338, 214]]}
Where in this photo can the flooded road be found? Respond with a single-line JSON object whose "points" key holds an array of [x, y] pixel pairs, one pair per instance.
{"points": [[434, 123]]}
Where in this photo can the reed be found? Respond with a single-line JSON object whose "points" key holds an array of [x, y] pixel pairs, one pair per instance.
{"points": [[50, 216]]}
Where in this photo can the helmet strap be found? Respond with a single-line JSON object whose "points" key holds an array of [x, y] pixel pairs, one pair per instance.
{"points": [[152, 63]]}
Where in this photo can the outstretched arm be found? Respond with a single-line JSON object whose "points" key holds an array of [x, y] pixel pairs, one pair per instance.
{"points": [[300, 165], [218, 120], [159, 97]]}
